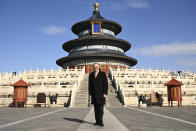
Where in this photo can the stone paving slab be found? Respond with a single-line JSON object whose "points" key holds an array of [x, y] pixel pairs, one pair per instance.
{"points": [[8, 115], [109, 120], [140, 121], [187, 113], [67, 119]]}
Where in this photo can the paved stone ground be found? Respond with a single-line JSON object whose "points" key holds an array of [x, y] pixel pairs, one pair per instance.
{"points": [[110, 121], [136, 120], [64, 119], [78, 119]]}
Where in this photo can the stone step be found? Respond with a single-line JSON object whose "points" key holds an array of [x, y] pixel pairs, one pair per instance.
{"points": [[81, 99], [113, 101], [114, 105], [82, 92], [79, 102], [83, 87], [79, 106], [117, 102], [81, 96], [113, 97], [84, 83]]}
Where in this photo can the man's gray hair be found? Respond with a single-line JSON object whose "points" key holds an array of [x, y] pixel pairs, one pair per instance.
{"points": [[95, 64]]}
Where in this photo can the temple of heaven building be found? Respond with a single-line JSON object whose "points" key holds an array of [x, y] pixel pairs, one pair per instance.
{"points": [[96, 43]]}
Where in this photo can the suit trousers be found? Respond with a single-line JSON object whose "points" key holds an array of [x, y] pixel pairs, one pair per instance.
{"points": [[98, 109]]}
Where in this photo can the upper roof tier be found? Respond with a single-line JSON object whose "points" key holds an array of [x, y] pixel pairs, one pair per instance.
{"points": [[105, 24]]}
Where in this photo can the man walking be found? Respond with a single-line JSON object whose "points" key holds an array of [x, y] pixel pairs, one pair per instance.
{"points": [[98, 89]]}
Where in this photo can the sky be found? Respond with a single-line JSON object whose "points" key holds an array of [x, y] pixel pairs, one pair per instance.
{"points": [[162, 33]]}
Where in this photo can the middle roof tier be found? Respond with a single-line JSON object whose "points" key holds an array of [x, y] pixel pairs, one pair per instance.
{"points": [[96, 40]]}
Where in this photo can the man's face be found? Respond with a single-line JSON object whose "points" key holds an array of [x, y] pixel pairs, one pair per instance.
{"points": [[96, 67]]}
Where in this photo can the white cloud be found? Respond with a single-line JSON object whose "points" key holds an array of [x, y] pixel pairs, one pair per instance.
{"points": [[124, 4], [53, 30], [117, 6], [138, 4], [176, 48], [187, 62]]}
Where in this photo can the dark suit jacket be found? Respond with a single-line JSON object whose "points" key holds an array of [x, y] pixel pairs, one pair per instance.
{"points": [[98, 87]]}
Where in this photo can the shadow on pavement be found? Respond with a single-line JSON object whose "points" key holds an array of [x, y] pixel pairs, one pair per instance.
{"points": [[77, 120]]}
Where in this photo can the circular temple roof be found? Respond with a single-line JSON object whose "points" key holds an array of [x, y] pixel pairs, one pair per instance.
{"points": [[106, 24], [96, 40]]}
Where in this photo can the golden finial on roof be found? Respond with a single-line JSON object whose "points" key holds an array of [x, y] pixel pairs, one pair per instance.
{"points": [[96, 6]]}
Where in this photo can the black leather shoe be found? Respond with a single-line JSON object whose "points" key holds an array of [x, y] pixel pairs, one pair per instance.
{"points": [[95, 124], [101, 125]]}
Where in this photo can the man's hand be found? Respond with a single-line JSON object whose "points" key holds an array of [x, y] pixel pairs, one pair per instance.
{"points": [[104, 95], [90, 96]]}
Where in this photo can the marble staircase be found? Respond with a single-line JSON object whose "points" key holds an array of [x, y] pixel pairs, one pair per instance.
{"points": [[81, 99], [112, 98]]}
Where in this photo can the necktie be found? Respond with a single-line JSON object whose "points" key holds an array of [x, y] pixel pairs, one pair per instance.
{"points": [[95, 74]]}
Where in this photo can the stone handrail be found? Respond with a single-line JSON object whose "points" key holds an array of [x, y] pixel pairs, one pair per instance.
{"points": [[76, 86], [117, 86]]}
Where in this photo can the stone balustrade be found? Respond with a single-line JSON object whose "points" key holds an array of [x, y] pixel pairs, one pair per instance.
{"points": [[50, 82], [133, 82]]}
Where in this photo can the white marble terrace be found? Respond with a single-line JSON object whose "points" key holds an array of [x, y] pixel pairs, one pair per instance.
{"points": [[130, 82], [50, 82]]}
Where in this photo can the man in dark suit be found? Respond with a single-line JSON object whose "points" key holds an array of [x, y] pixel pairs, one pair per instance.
{"points": [[98, 89]]}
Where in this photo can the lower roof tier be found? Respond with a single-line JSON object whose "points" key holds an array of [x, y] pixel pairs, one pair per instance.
{"points": [[74, 60], [96, 40]]}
